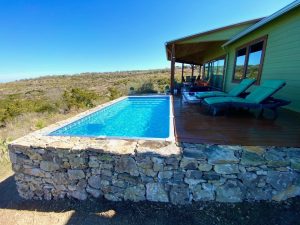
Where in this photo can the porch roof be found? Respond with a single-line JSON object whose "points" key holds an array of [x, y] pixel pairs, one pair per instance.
{"points": [[191, 49]]}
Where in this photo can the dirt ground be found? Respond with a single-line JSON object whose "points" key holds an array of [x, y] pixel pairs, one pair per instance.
{"points": [[14, 210]]}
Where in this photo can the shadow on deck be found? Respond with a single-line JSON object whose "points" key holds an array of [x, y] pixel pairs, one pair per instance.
{"points": [[194, 125]]}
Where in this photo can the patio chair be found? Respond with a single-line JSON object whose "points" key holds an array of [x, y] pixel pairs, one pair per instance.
{"points": [[235, 92], [197, 97], [188, 79], [261, 98]]}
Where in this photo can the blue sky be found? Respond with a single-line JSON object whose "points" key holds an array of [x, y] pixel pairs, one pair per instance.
{"points": [[39, 37]]}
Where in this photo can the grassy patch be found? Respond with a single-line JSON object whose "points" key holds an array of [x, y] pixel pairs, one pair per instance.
{"points": [[3, 151], [5, 165]]}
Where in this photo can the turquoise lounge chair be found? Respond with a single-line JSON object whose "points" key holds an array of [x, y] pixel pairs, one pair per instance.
{"points": [[235, 92], [260, 98]]}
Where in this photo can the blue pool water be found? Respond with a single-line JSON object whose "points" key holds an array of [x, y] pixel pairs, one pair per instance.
{"points": [[133, 117]]}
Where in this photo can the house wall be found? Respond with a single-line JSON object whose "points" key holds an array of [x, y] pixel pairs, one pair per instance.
{"points": [[282, 56]]}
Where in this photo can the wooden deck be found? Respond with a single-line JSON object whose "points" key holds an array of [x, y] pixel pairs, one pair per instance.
{"points": [[194, 125]]}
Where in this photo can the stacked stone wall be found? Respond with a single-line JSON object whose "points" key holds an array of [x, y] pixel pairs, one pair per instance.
{"points": [[159, 172]]}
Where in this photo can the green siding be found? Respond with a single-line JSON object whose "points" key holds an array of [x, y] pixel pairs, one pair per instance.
{"points": [[282, 56]]}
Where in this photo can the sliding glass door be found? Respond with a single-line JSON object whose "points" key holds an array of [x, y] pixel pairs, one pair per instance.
{"points": [[214, 73]]}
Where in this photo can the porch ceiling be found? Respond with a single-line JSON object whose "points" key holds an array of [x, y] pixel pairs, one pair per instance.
{"points": [[193, 52]]}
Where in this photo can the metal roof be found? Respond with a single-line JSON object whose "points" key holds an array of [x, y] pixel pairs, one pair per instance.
{"points": [[212, 31]]}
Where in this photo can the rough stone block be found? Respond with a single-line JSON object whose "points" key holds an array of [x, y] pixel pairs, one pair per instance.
{"points": [[189, 163], [203, 166], [49, 166], [201, 194], [79, 194], [76, 174], [95, 182], [155, 192], [280, 180], [217, 155], [252, 159], [135, 193], [227, 193], [276, 158], [179, 194], [226, 168], [127, 165]]}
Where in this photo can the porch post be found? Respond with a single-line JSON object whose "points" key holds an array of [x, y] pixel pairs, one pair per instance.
{"points": [[200, 68], [193, 70], [182, 72], [172, 68]]}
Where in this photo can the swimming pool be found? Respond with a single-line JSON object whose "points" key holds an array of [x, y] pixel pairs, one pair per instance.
{"points": [[139, 117]]}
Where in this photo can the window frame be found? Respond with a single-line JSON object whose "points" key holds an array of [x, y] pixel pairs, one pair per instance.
{"points": [[208, 62], [247, 46]]}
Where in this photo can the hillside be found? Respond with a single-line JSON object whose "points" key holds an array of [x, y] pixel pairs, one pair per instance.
{"points": [[32, 104]]}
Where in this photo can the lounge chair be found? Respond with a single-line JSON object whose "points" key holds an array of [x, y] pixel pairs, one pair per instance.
{"points": [[261, 98], [197, 97], [235, 92]]}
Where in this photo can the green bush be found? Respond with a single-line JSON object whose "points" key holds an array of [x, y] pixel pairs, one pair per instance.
{"points": [[3, 151], [146, 88], [40, 124], [79, 98], [42, 107], [113, 93], [13, 106]]}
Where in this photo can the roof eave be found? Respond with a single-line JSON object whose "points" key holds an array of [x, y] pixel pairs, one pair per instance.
{"points": [[211, 31]]}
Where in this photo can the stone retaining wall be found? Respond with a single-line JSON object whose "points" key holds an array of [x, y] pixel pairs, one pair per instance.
{"points": [[155, 171]]}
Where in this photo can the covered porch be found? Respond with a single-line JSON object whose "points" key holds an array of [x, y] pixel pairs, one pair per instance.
{"points": [[193, 124], [203, 51]]}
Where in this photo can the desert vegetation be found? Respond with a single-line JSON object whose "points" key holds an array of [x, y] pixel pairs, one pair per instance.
{"points": [[32, 104]]}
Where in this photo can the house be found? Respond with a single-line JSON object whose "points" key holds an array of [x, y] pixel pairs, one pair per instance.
{"points": [[265, 48]]}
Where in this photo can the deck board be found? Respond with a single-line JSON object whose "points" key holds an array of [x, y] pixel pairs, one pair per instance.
{"points": [[193, 124]]}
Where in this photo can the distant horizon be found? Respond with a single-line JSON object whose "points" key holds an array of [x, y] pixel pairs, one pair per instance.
{"points": [[42, 38], [80, 73]]}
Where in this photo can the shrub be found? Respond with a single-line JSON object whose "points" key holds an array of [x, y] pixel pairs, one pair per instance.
{"points": [[113, 93], [147, 87], [41, 107], [40, 124], [79, 98], [3, 151], [13, 106]]}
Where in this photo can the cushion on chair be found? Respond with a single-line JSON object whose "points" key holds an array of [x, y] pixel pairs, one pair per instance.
{"points": [[265, 90], [241, 87], [225, 100], [208, 94]]}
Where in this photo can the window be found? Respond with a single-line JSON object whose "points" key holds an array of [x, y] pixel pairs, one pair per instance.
{"points": [[214, 73], [240, 64], [248, 61], [206, 73], [220, 67], [255, 54]]}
